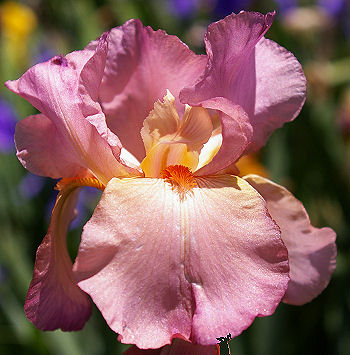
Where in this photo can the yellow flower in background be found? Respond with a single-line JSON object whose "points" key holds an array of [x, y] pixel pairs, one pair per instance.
{"points": [[250, 164], [17, 22]]}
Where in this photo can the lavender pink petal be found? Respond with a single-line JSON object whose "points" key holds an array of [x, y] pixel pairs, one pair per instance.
{"points": [[257, 74], [141, 65], [54, 300], [55, 89], [312, 251]]}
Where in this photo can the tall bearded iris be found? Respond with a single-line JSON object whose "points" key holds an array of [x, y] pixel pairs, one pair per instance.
{"points": [[179, 245]]}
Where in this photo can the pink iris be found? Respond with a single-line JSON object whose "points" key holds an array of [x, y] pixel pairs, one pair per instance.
{"points": [[179, 246]]}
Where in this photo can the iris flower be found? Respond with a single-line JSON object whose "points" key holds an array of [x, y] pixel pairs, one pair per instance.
{"points": [[179, 245]]}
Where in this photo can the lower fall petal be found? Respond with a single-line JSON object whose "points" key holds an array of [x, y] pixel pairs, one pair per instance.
{"points": [[54, 300], [198, 265], [312, 251]]}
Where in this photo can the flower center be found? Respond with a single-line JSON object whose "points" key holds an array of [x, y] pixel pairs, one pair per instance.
{"points": [[171, 141], [180, 177]]}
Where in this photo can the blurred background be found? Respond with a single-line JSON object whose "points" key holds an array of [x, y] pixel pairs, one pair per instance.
{"points": [[310, 156]]}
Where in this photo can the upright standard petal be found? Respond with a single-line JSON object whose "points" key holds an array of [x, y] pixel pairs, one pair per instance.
{"points": [[257, 74], [55, 89], [230, 70], [228, 84], [54, 300], [312, 251], [159, 263], [236, 135], [141, 65], [280, 90]]}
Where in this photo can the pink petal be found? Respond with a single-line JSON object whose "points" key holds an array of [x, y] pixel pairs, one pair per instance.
{"points": [[158, 264], [280, 89], [311, 250], [177, 347], [229, 81], [236, 135], [252, 72], [230, 72], [41, 149], [141, 65], [56, 89], [54, 300]]}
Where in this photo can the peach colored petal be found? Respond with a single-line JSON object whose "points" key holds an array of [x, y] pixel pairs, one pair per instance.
{"points": [[171, 141], [312, 251], [199, 265]]}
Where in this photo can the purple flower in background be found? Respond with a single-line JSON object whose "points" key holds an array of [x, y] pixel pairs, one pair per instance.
{"points": [[340, 11], [7, 126], [219, 8], [184, 8], [31, 185], [336, 10], [44, 54], [286, 5], [87, 198], [333, 7], [224, 8]]}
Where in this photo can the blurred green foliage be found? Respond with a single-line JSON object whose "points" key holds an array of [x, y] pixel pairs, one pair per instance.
{"points": [[310, 156]]}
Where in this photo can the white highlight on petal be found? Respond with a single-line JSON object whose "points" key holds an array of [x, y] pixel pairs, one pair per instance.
{"points": [[209, 150], [129, 158]]}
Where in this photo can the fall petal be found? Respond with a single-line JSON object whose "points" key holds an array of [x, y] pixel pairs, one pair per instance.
{"points": [[41, 149], [312, 251], [55, 89], [158, 263], [141, 65], [54, 300]]}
